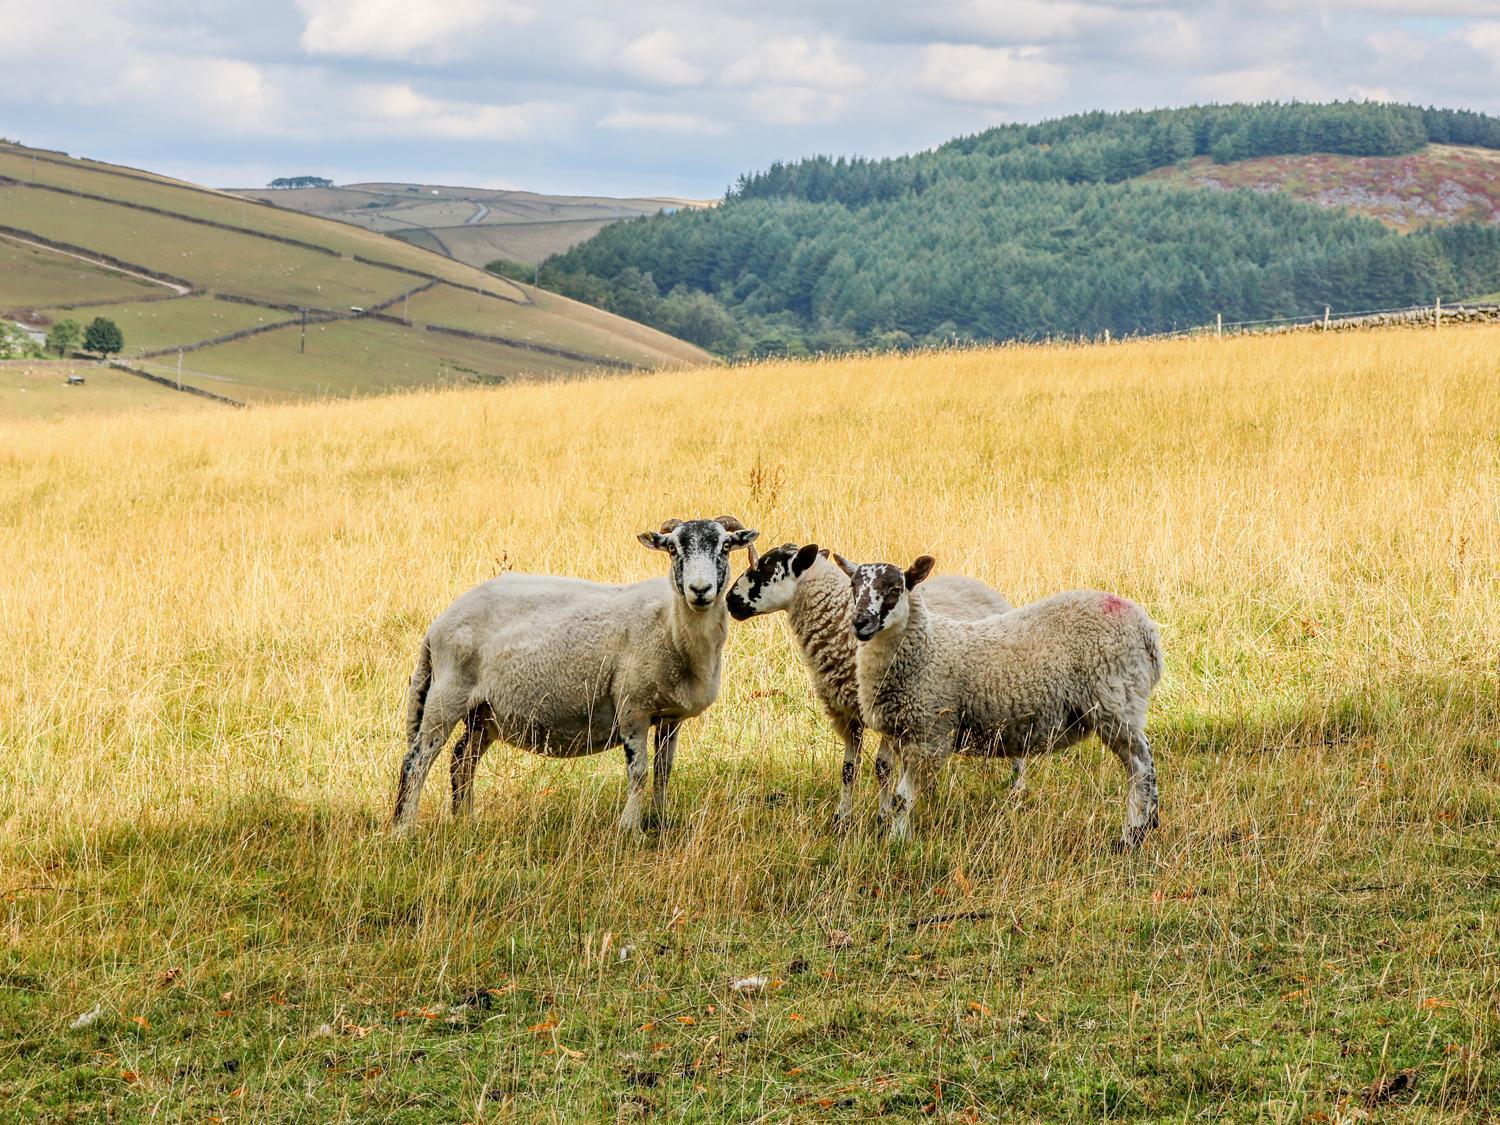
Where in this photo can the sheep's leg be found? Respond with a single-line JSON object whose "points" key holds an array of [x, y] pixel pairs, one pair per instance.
{"points": [[852, 731], [476, 739], [636, 738], [887, 773], [441, 713], [1134, 753], [918, 768], [661, 766]]}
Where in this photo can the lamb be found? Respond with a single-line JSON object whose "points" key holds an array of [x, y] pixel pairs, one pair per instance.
{"points": [[564, 667], [816, 597], [1036, 679]]}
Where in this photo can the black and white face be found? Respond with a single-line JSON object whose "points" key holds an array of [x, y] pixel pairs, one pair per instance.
{"points": [[700, 552], [880, 594], [770, 581]]}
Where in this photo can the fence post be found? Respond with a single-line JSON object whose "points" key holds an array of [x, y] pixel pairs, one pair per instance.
{"points": [[1106, 335], [1437, 312], [1326, 310], [1219, 325]]}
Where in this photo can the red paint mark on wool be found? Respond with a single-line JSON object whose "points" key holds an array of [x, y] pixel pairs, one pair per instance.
{"points": [[1113, 604]]}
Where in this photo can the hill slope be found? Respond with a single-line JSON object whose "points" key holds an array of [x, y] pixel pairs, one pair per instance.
{"points": [[1437, 184], [473, 225], [227, 282], [210, 621], [1031, 231]]}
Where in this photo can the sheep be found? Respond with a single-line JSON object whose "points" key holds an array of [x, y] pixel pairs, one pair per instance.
{"points": [[564, 667], [816, 597], [1036, 679]]}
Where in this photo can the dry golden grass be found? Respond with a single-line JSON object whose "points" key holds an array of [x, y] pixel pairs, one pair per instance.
{"points": [[209, 620]]}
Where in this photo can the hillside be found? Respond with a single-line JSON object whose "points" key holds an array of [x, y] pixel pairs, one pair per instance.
{"points": [[217, 287], [1437, 184], [473, 225], [210, 621], [1033, 231]]}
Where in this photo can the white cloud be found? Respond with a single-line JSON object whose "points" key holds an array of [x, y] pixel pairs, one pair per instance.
{"points": [[1485, 38], [1272, 82], [1018, 22], [400, 110], [687, 123], [426, 30], [964, 72], [656, 60], [795, 105], [794, 60]]}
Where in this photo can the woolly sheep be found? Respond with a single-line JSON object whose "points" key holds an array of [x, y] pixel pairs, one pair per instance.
{"points": [[816, 597], [1035, 679], [564, 667]]}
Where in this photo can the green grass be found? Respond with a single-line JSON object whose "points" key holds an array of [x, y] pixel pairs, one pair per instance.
{"points": [[236, 211], [343, 357], [36, 389], [182, 320], [219, 260], [34, 278], [548, 321]]}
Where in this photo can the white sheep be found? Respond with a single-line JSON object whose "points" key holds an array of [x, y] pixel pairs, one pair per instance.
{"points": [[1038, 678], [819, 606], [564, 667]]}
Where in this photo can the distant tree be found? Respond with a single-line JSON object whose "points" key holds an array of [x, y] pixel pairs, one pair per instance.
{"points": [[103, 337], [17, 344], [64, 336], [516, 271], [284, 182]]}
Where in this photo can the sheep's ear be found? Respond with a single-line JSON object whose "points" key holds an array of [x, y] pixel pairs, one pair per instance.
{"points": [[656, 541], [804, 559], [919, 570], [825, 552], [844, 564], [741, 538]]}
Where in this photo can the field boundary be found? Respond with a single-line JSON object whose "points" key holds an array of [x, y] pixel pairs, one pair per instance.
{"points": [[188, 288], [444, 281], [132, 205], [175, 385], [545, 349]]}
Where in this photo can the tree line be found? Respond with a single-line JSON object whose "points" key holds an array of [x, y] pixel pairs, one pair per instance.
{"points": [[1029, 231]]}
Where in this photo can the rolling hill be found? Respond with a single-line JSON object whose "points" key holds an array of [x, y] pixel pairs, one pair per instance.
{"points": [[1437, 184], [255, 303], [473, 225], [1059, 229]]}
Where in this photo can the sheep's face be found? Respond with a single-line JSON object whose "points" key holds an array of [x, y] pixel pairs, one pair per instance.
{"points": [[700, 552], [879, 591], [770, 581]]}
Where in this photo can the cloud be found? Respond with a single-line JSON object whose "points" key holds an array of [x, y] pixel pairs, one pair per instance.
{"points": [[795, 105], [656, 60], [687, 123], [1272, 82], [1485, 39], [425, 30], [794, 60], [990, 75], [400, 110]]}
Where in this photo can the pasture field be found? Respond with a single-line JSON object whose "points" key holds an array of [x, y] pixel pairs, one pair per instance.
{"points": [[149, 325], [177, 243], [341, 357], [210, 621], [32, 388], [31, 277]]}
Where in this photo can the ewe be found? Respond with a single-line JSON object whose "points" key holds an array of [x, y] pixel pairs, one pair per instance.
{"points": [[564, 667], [1035, 679], [816, 597]]}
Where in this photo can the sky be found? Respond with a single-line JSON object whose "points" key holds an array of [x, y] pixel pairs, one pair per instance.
{"points": [[655, 97]]}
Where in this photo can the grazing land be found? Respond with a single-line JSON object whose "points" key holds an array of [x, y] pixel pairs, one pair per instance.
{"points": [[178, 266], [473, 225], [210, 622]]}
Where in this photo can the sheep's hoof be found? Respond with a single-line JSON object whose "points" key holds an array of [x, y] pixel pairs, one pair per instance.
{"points": [[841, 821], [401, 829]]}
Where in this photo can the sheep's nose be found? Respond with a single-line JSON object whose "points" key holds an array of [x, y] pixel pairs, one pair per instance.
{"points": [[700, 591]]}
